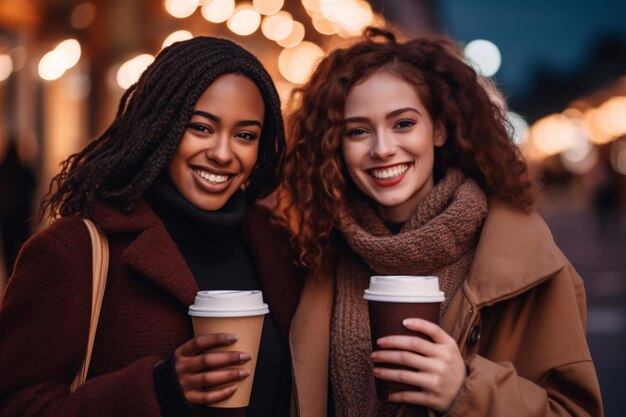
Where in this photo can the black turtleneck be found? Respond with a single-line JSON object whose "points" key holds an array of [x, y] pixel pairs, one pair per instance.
{"points": [[212, 245]]}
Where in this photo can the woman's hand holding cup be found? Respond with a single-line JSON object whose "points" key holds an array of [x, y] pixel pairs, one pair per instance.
{"points": [[415, 360], [207, 376], [215, 350], [437, 367]]}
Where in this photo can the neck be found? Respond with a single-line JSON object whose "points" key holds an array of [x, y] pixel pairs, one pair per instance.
{"points": [[186, 222]]}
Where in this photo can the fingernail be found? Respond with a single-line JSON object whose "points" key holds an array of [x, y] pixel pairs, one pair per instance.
{"points": [[244, 373], [232, 388], [244, 357], [230, 338], [381, 341], [408, 322], [376, 371], [374, 355]]}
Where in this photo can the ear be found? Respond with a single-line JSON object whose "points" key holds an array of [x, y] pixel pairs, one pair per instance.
{"points": [[440, 134]]}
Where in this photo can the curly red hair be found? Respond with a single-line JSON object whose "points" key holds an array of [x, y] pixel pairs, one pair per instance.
{"points": [[315, 183]]}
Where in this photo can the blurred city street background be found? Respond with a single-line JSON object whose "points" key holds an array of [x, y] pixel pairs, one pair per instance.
{"points": [[560, 67]]}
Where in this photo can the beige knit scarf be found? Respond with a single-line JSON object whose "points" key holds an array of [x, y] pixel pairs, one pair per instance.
{"points": [[439, 239]]}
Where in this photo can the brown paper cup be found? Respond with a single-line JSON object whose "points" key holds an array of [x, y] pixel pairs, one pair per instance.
{"points": [[391, 300], [248, 331], [240, 313], [386, 320]]}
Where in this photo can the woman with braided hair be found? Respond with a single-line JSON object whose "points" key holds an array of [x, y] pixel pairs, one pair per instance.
{"points": [[400, 163], [172, 183]]}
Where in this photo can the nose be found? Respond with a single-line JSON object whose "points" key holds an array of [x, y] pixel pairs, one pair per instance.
{"points": [[219, 150], [383, 146]]}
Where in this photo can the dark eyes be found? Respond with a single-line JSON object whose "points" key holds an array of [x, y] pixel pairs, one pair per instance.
{"points": [[400, 124], [207, 130], [198, 127], [247, 136], [404, 123], [355, 132]]}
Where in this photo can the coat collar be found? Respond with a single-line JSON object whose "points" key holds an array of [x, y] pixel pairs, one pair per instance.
{"points": [[152, 252], [515, 252]]}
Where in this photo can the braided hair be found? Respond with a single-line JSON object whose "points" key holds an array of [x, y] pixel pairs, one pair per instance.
{"points": [[150, 121]]}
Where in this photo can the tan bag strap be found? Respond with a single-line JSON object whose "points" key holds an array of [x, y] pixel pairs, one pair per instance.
{"points": [[100, 260]]}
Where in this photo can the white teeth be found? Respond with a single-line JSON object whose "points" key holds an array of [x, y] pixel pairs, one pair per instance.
{"points": [[218, 179], [388, 173]]}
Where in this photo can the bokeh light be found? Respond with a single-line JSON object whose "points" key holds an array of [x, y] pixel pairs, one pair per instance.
{"points": [[63, 57], [484, 56], [295, 37], [6, 66], [179, 35], [519, 133], [311, 6], [181, 8], [278, 26], [268, 7], [323, 26], [70, 49], [556, 133], [130, 71], [218, 11], [579, 161], [297, 64], [245, 21], [607, 122], [52, 65]]}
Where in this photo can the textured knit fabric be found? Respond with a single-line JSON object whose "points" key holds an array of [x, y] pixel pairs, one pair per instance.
{"points": [[44, 315], [439, 239], [213, 247]]}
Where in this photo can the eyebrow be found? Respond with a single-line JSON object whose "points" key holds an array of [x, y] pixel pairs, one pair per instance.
{"points": [[217, 120], [387, 116]]}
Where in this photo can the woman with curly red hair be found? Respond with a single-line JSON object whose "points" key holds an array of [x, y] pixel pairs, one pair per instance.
{"points": [[400, 163]]}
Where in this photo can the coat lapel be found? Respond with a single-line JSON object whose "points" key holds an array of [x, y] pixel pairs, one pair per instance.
{"points": [[515, 252], [153, 253], [155, 256]]}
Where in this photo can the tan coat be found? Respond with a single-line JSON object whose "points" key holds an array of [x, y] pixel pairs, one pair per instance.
{"points": [[519, 322]]}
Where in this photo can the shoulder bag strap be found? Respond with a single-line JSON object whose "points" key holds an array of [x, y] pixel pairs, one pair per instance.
{"points": [[100, 260]]}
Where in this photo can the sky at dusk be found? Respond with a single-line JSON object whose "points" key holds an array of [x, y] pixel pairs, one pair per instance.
{"points": [[557, 34]]}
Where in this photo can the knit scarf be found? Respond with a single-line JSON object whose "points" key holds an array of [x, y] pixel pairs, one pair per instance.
{"points": [[438, 239]]}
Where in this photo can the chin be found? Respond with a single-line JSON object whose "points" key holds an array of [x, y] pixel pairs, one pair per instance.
{"points": [[209, 205]]}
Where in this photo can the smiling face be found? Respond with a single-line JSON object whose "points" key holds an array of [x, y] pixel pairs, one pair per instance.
{"points": [[219, 149], [388, 145]]}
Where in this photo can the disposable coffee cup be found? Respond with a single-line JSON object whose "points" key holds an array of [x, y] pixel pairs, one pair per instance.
{"points": [[240, 313], [391, 299]]}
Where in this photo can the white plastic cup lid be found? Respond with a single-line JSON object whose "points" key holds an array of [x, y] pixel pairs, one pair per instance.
{"points": [[228, 303], [404, 289]]}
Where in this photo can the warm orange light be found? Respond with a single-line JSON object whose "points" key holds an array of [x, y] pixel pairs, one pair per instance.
{"points": [[278, 26], [268, 7], [218, 11], [179, 35], [245, 21], [297, 64], [181, 8], [295, 37]]}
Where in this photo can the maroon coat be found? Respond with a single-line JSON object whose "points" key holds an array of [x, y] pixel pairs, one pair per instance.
{"points": [[44, 316]]}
